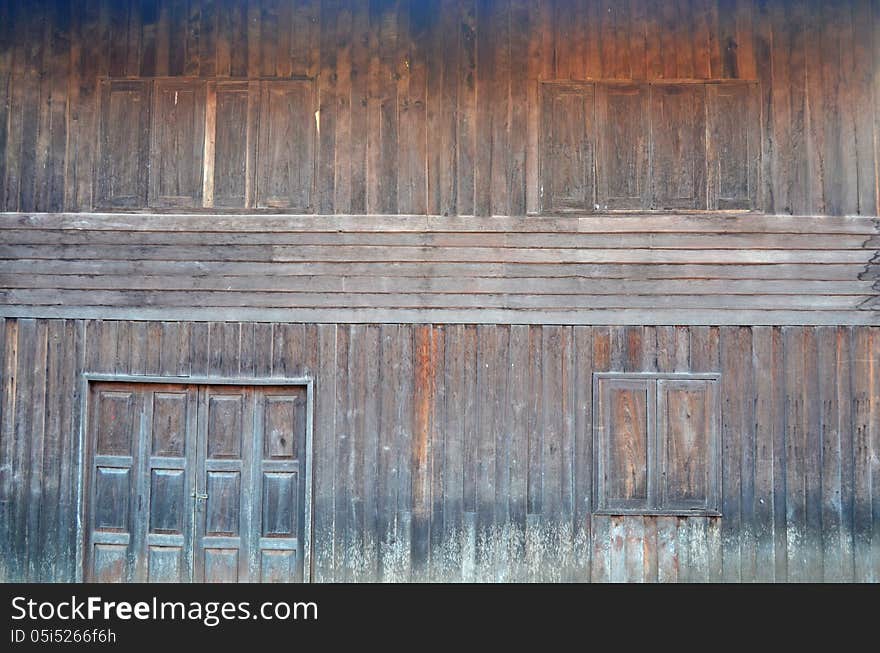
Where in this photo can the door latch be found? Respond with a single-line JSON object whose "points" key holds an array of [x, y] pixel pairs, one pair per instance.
{"points": [[196, 495]]}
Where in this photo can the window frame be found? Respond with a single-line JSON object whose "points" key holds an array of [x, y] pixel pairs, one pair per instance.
{"points": [[656, 503], [707, 178], [206, 88]]}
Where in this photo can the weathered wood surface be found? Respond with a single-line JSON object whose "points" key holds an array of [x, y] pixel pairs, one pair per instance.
{"points": [[571, 270], [472, 458], [436, 107]]}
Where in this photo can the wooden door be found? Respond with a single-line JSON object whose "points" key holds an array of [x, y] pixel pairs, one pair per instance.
{"points": [[195, 482]]}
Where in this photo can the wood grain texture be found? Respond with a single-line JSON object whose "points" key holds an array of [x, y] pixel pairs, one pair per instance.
{"points": [[581, 270], [456, 470], [432, 108]]}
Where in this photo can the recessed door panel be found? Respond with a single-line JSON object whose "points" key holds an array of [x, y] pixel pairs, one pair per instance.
{"points": [[195, 482]]}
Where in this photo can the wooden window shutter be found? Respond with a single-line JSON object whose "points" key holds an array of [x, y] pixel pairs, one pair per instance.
{"points": [[123, 142]]}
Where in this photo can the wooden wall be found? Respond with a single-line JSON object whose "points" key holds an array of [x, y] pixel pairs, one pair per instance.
{"points": [[463, 452], [645, 269], [431, 106]]}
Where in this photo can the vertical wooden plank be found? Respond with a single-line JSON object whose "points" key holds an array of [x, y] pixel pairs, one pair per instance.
{"points": [[485, 47], [638, 22], [425, 364], [467, 122], [285, 26], [326, 181], [702, 537], [499, 92], [208, 32], [374, 135], [701, 15], [797, 182], [344, 138], [849, 104], [749, 526], [388, 559], [668, 44], [443, 108], [301, 27], [49, 473], [6, 69], [582, 378], [357, 565], [516, 121], [361, 59], [873, 384], [254, 51], [386, 128], [69, 479], [654, 40], [149, 32], [268, 43], [7, 442], [404, 440], [744, 39], [191, 59], [135, 39], [59, 75], [324, 457], [829, 434], [118, 41], [502, 542], [412, 155], [18, 436], [763, 37], [864, 104], [781, 111], [344, 530], [812, 460], [864, 398], [535, 421], [795, 443], [517, 444], [533, 99], [592, 33], [369, 568], [845, 406], [600, 567], [490, 348], [439, 564], [684, 41], [766, 397], [33, 494], [564, 26], [875, 15], [454, 447]]}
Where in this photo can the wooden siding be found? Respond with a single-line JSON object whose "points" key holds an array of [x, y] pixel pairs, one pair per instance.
{"points": [[434, 106], [686, 269], [463, 452]]}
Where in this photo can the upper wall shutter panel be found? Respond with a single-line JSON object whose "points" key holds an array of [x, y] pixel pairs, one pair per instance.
{"points": [[178, 142], [678, 147], [622, 111], [733, 145], [231, 141], [121, 177], [287, 146], [567, 158]]}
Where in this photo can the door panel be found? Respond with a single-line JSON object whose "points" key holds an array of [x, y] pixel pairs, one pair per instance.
{"points": [[113, 435], [221, 553], [195, 482], [281, 420]]}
